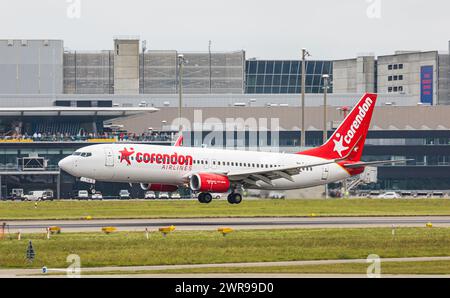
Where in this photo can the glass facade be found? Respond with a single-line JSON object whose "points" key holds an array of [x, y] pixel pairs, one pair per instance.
{"points": [[283, 77]]}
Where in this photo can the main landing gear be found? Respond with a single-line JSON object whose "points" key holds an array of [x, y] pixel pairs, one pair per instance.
{"points": [[233, 198], [205, 198]]}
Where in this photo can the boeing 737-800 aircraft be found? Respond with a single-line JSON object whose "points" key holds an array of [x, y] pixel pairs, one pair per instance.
{"points": [[204, 170]]}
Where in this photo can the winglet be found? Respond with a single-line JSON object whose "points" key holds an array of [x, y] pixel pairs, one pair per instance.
{"points": [[179, 141]]}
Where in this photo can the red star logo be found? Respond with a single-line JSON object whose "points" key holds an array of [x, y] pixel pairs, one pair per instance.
{"points": [[125, 155]]}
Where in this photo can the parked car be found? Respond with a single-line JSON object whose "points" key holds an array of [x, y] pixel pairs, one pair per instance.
{"points": [[150, 195], [83, 195], [389, 195], [38, 195], [164, 195], [47, 195], [97, 196], [175, 196], [438, 194], [17, 194], [216, 196], [124, 194], [373, 194], [277, 195]]}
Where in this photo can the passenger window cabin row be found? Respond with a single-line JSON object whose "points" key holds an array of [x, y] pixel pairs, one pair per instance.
{"points": [[237, 164]]}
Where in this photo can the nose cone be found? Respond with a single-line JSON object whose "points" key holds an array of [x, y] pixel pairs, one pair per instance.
{"points": [[66, 164]]}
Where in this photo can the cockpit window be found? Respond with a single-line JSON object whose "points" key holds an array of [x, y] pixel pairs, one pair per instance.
{"points": [[82, 154]]}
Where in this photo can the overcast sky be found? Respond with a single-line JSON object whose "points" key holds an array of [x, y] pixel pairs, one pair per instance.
{"points": [[272, 29]]}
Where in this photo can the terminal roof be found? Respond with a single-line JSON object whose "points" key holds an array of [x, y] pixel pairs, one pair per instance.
{"points": [[76, 111]]}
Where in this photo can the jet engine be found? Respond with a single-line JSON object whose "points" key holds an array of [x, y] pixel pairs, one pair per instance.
{"points": [[205, 182]]}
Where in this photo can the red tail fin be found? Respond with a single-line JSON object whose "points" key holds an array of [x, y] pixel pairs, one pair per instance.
{"points": [[351, 134]]}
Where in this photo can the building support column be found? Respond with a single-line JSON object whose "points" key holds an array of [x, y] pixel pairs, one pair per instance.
{"points": [[58, 186], [94, 126]]}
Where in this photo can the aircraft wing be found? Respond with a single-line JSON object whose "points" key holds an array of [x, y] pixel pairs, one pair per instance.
{"points": [[267, 175], [250, 177], [373, 163]]}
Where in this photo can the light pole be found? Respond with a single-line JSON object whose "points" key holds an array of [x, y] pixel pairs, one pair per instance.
{"points": [[326, 81], [144, 48], [305, 54], [210, 67], [181, 62]]}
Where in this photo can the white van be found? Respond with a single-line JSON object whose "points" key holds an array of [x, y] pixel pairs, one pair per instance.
{"points": [[389, 195], [83, 195], [38, 195]]}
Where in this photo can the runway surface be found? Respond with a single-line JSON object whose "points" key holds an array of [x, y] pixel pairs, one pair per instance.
{"points": [[40, 226], [128, 271]]}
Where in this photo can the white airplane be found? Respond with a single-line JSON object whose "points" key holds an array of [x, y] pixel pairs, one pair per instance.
{"points": [[206, 171]]}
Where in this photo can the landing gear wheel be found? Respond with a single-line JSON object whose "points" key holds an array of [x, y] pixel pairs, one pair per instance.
{"points": [[230, 198], [200, 197], [205, 198], [235, 198]]}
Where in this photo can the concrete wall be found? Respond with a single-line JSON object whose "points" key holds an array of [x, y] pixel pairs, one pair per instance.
{"points": [[31, 66], [126, 66], [412, 63], [268, 101], [220, 73], [365, 74], [423, 118], [158, 72], [89, 72], [344, 76], [444, 79], [354, 75]]}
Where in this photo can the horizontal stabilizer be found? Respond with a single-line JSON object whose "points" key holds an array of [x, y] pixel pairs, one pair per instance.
{"points": [[374, 163]]}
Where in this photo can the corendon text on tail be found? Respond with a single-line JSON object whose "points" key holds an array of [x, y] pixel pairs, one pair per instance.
{"points": [[358, 120], [206, 171]]}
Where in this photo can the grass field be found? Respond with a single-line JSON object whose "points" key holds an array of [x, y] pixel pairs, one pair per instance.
{"points": [[249, 208], [209, 247], [413, 268]]}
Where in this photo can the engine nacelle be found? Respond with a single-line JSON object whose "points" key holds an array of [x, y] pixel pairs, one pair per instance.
{"points": [[205, 182], [159, 187]]}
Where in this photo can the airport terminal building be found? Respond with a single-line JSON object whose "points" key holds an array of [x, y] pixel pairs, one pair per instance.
{"points": [[54, 101]]}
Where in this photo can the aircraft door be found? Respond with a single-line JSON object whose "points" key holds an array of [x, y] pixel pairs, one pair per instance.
{"points": [[109, 157], [325, 173]]}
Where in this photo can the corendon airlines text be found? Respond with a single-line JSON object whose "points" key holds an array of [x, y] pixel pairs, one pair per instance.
{"points": [[169, 162]]}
